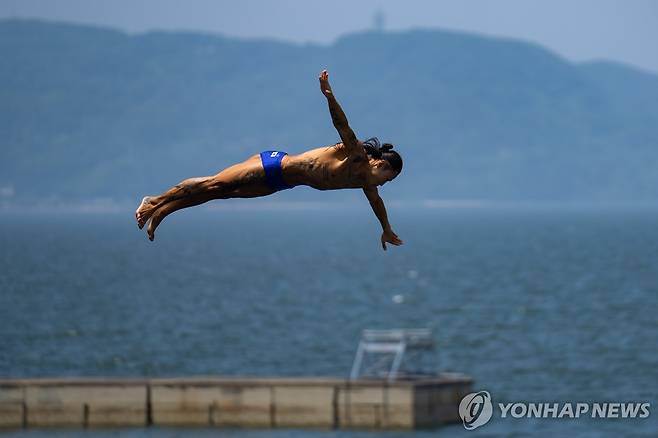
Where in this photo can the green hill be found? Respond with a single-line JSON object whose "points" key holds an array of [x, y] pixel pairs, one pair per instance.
{"points": [[88, 112]]}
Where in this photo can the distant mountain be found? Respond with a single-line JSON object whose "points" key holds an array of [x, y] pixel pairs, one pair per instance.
{"points": [[88, 112]]}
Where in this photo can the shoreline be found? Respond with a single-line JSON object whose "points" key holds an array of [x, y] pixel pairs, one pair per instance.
{"points": [[108, 205]]}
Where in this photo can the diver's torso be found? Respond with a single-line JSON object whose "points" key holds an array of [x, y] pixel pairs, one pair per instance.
{"points": [[326, 168]]}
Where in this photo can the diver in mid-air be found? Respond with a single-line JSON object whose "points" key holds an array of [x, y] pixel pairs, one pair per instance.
{"points": [[351, 164]]}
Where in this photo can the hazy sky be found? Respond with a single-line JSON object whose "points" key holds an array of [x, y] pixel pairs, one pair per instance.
{"points": [[625, 31]]}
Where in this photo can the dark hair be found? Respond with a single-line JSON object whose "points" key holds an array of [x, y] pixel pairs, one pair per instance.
{"points": [[384, 152]]}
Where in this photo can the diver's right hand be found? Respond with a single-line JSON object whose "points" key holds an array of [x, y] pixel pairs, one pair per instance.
{"points": [[324, 83], [388, 236]]}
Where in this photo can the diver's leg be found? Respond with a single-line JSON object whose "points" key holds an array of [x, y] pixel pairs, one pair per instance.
{"points": [[243, 191], [160, 213], [245, 180], [224, 181], [186, 188]]}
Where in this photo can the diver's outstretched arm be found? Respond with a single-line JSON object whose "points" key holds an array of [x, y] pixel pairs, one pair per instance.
{"points": [[338, 116], [377, 204]]}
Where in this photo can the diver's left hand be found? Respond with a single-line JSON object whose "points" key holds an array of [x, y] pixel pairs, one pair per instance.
{"points": [[324, 83], [388, 236]]}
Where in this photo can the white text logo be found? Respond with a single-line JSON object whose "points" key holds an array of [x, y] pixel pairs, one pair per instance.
{"points": [[475, 409]]}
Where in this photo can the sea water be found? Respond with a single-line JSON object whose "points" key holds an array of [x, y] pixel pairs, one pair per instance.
{"points": [[536, 304]]}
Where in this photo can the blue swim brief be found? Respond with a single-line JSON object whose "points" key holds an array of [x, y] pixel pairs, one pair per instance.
{"points": [[272, 165]]}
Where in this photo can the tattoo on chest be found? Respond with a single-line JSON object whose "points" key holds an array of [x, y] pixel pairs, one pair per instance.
{"points": [[309, 166]]}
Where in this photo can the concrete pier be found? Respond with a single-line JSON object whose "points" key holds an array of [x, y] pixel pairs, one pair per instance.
{"points": [[240, 402]]}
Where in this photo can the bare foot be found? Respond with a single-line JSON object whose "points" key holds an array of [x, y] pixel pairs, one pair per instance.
{"points": [[151, 232], [144, 211], [156, 218]]}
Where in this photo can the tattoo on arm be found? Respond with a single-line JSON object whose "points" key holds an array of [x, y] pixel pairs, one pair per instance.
{"points": [[337, 115], [378, 207], [340, 123]]}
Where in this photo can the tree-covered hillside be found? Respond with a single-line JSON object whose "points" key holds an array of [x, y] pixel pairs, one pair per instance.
{"points": [[88, 112]]}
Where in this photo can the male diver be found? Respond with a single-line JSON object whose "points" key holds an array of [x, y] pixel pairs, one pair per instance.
{"points": [[350, 164]]}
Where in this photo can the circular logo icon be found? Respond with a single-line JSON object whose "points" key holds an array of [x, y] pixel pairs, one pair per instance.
{"points": [[475, 409]]}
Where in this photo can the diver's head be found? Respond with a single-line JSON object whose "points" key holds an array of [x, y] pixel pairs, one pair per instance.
{"points": [[385, 163]]}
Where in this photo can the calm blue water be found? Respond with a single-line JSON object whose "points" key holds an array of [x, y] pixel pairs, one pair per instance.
{"points": [[535, 304]]}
